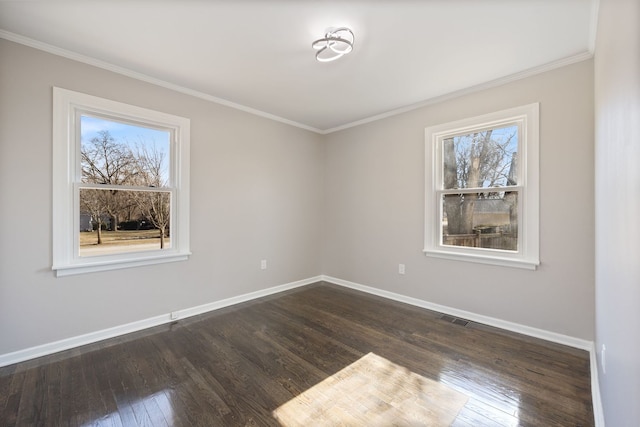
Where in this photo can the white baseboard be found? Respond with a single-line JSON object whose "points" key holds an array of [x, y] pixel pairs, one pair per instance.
{"points": [[67, 343], [598, 411], [205, 308], [479, 318]]}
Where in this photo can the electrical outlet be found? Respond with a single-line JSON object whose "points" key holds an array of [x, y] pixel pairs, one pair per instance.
{"points": [[174, 315], [263, 264], [603, 359], [400, 268]]}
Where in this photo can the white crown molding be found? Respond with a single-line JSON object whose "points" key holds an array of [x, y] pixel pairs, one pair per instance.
{"points": [[472, 89], [7, 35], [92, 337], [431, 101]]}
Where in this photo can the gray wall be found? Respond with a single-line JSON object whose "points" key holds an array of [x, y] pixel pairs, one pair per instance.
{"points": [[617, 82], [374, 195], [255, 194], [349, 205]]}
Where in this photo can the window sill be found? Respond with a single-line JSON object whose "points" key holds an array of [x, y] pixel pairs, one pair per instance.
{"points": [[484, 259], [106, 265]]}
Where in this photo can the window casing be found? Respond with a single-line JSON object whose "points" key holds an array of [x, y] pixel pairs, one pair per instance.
{"points": [[482, 189], [163, 197]]}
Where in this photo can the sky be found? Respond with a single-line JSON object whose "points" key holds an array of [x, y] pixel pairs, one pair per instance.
{"points": [[90, 126], [127, 133]]}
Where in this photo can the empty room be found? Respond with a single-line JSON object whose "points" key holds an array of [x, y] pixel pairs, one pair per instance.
{"points": [[301, 213]]}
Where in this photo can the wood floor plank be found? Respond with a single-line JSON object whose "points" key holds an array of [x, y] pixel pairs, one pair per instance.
{"points": [[12, 401], [495, 390], [30, 409], [237, 365], [70, 393], [95, 373], [478, 414], [246, 395]]}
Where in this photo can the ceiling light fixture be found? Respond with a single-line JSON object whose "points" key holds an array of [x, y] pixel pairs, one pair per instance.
{"points": [[335, 43]]}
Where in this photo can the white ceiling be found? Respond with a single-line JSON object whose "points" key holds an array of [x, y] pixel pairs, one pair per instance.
{"points": [[257, 55]]}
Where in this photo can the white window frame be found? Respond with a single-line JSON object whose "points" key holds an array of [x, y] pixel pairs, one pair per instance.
{"points": [[67, 108], [527, 256]]}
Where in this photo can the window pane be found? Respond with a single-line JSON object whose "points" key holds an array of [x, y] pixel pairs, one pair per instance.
{"points": [[481, 159], [117, 221], [123, 154], [481, 220]]}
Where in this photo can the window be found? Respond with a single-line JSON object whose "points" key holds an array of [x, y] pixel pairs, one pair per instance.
{"points": [[120, 185], [482, 189]]}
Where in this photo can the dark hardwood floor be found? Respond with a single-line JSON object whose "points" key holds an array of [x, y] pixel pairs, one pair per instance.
{"points": [[235, 366]]}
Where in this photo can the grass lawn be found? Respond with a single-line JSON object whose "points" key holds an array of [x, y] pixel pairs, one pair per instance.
{"points": [[133, 237]]}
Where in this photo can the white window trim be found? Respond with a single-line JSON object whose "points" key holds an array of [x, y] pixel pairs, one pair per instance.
{"points": [[66, 150], [527, 256]]}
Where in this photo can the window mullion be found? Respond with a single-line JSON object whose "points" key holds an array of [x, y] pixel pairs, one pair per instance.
{"points": [[87, 185], [508, 188]]}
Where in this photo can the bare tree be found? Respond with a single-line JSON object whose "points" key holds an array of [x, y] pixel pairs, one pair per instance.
{"points": [[107, 161], [452, 203], [154, 205], [92, 204], [510, 196], [478, 161]]}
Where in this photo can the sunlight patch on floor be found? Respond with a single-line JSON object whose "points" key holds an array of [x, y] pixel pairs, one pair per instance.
{"points": [[373, 391]]}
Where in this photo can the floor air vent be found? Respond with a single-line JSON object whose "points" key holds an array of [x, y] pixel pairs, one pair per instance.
{"points": [[454, 320]]}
